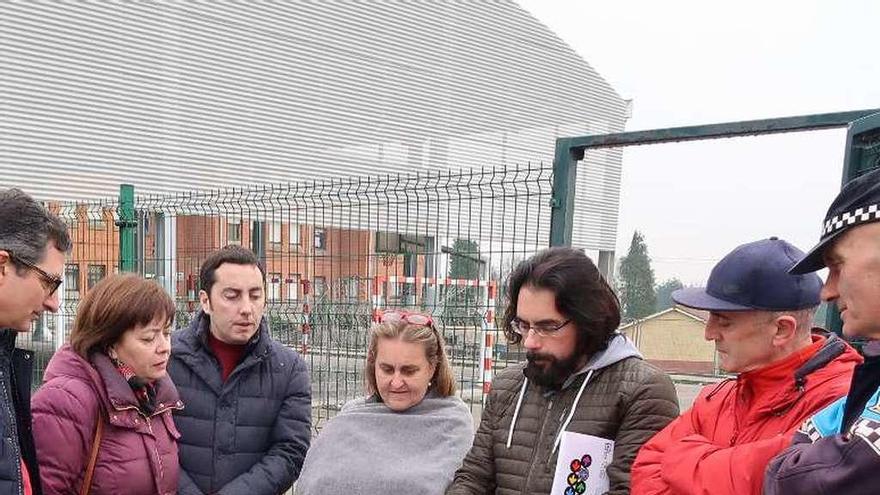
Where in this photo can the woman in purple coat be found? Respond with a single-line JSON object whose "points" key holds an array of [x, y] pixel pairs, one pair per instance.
{"points": [[109, 383]]}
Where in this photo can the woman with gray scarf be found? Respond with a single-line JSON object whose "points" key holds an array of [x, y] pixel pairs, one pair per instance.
{"points": [[409, 434]]}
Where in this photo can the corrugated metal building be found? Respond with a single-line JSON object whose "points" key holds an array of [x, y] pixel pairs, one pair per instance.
{"points": [[172, 95]]}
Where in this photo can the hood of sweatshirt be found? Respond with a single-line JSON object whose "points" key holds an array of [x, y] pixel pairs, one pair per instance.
{"points": [[620, 347]]}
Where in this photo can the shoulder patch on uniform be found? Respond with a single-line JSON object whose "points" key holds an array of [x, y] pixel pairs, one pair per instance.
{"points": [[827, 421], [874, 402], [868, 430], [809, 429]]}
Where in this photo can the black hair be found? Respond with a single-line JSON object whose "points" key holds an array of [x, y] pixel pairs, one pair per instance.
{"points": [[27, 228], [232, 253], [580, 291]]}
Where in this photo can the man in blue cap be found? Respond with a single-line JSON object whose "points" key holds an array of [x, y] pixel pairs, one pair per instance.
{"points": [[760, 319], [838, 450]]}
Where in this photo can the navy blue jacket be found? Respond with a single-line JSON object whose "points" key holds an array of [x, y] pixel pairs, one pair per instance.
{"points": [[16, 366], [249, 435]]}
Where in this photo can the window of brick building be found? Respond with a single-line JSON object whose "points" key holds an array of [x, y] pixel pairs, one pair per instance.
{"points": [[95, 274]]}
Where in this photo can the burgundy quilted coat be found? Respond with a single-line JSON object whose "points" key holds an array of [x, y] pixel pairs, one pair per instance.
{"points": [[137, 456]]}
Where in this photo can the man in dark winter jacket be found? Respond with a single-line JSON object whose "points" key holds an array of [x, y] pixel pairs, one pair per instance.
{"points": [[838, 449], [33, 243], [246, 422]]}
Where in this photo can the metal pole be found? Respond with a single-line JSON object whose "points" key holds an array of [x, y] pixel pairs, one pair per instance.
{"points": [[564, 188], [127, 224], [714, 131]]}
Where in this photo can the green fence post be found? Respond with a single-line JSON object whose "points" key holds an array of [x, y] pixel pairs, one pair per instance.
{"points": [[862, 147], [564, 189], [127, 224]]}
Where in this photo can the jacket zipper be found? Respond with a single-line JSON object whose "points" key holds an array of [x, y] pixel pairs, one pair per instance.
{"points": [[9, 392], [156, 450], [535, 448], [149, 428]]}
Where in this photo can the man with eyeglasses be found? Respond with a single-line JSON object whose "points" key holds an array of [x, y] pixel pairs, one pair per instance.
{"points": [[582, 381], [760, 319], [33, 244]]}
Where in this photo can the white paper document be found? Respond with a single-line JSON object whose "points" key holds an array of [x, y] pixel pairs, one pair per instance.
{"points": [[580, 467]]}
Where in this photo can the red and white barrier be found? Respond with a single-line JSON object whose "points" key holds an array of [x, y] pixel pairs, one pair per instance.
{"points": [[378, 282], [431, 281], [488, 363], [490, 304], [307, 317]]}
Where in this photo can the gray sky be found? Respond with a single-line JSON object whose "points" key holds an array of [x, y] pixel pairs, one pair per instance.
{"points": [[697, 62]]}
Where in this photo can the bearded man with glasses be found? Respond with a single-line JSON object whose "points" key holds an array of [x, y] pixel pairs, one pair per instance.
{"points": [[581, 379], [33, 244]]}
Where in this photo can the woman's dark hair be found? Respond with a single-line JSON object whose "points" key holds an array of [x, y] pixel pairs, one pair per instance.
{"points": [[581, 294], [115, 305]]}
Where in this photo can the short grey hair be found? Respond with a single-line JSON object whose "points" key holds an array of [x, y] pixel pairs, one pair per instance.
{"points": [[804, 317], [27, 227]]}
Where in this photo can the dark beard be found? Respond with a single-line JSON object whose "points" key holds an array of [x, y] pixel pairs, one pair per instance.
{"points": [[556, 371]]}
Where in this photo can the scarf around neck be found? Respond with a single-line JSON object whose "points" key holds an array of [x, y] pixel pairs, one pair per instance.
{"points": [[368, 448], [144, 391]]}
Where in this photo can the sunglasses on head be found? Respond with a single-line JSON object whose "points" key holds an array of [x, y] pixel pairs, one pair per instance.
{"points": [[418, 319]]}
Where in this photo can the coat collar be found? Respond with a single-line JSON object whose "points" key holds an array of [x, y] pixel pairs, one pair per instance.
{"points": [[120, 396], [109, 385], [783, 383], [7, 340], [190, 347]]}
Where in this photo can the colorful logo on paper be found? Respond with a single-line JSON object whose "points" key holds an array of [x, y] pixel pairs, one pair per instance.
{"points": [[577, 479]]}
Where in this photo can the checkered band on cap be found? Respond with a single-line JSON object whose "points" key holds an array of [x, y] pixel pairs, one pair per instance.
{"points": [[859, 215]]}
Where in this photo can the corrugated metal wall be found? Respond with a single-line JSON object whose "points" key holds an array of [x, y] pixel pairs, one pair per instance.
{"points": [[195, 95]]}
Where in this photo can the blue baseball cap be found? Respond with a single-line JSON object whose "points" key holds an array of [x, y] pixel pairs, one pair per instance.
{"points": [[755, 276]]}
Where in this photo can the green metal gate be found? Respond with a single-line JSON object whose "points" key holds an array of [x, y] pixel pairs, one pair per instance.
{"points": [[862, 155]]}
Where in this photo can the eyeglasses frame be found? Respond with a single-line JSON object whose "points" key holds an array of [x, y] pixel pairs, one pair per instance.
{"points": [[49, 281], [516, 328]]}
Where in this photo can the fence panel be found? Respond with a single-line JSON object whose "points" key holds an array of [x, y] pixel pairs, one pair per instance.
{"points": [[337, 252], [95, 237]]}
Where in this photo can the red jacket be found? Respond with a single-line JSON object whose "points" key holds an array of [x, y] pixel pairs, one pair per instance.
{"points": [[722, 445]]}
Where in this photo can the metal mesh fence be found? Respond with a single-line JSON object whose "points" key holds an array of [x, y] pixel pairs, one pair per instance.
{"points": [[95, 237], [336, 252]]}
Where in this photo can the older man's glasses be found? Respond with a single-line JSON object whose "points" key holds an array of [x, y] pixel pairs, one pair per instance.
{"points": [[542, 329], [50, 282]]}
